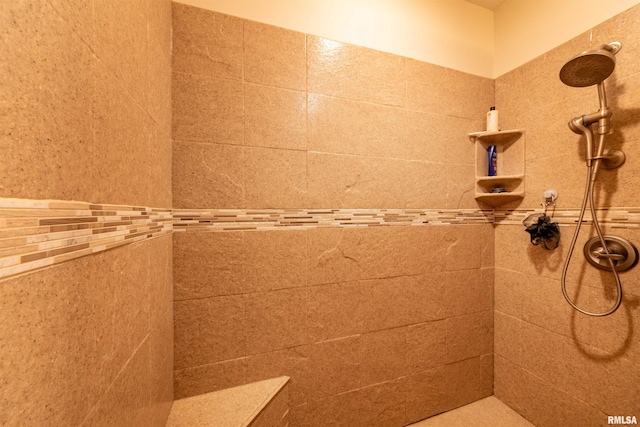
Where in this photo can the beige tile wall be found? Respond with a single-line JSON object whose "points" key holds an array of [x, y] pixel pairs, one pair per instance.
{"points": [[86, 82], [374, 325], [267, 118], [87, 116], [552, 364], [89, 341], [347, 313]]}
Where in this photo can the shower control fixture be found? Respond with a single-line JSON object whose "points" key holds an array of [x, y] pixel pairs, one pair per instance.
{"points": [[610, 253], [587, 69], [619, 249]]}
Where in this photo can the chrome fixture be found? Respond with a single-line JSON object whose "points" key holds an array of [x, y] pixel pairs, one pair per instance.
{"points": [[619, 249], [549, 197], [587, 69], [606, 252]]}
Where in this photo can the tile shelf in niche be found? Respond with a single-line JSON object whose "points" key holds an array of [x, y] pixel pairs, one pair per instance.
{"points": [[510, 148]]}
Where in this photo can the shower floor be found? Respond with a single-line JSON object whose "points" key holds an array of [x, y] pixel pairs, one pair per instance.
{"points": [[487, 412]]}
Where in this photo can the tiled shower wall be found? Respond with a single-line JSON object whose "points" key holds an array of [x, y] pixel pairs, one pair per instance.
{"points": [[86, 116], [552, 364], [376, 325]]}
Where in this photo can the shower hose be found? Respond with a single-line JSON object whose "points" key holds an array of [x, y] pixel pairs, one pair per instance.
{"points": [[588, 194]]}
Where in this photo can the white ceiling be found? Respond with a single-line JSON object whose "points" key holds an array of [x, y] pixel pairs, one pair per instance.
{"points": [[487, 4]]}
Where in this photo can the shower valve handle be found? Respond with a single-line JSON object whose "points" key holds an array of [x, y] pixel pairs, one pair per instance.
{"points": [[613, 257]]}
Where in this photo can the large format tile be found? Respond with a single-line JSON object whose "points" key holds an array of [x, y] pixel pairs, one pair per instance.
{"points": [[426, 394], [380, 405], [354, 72], [160, 168], [466, 293], [127, 400], [207, 109], [385, 303], [546, 406], [464, 95], [222, 274], [347, 181], [207, 175], [426, 249], [469, 336], [274, 56], [120, 126], [424, 184], [348, 254], [275, 320], [275, 117], [130, 275], [469, 380], [292, 362], [161, 286], [333, 311], [275, 259], [49, 314], [206, 42], [334, 367], [508, 337], [210, 377], [382, 356], [121, 43], [460, 186], [342, 126], [159, 87], [209, 330], [426, 297], [161, 381], [47, 91], [79, 15], [555, 359], [508, 383], [160, 52], [275, 178], [426, 346]]}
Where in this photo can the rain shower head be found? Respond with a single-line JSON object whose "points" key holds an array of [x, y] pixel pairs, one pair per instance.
{"points": [[590, 67], [587, 69]]}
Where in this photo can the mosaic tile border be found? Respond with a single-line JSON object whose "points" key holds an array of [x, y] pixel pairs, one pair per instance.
{"points": [[40, 233], [612, 217], [191, 220]]}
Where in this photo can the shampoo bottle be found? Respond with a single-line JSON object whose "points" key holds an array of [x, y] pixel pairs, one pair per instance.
{"points": [[492, 160], [492, 120]]}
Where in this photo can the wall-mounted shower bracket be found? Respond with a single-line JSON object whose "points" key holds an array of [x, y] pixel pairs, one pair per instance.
{"points": [[612, 159], [612, 47], [621, 251], [549, 197]]}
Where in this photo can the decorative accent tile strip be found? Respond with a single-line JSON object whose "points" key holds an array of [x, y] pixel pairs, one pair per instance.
{"points": [[39, 233], [613, 217], [268, 219]]}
